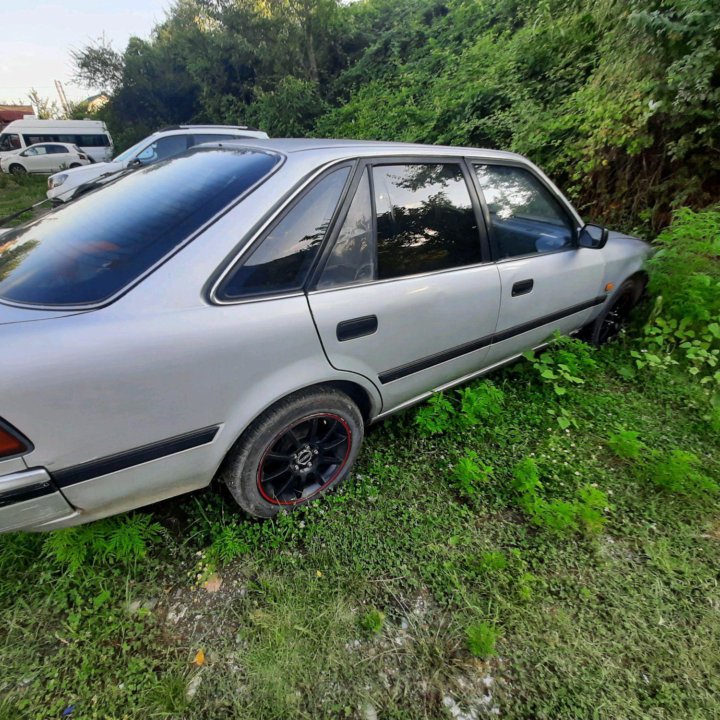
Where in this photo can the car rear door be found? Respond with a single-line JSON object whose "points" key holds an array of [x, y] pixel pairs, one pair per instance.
{"points": [[548, 282], [406, 294]]}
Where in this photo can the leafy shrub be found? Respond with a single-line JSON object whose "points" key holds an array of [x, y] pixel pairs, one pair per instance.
{"points": [[470, 407], [372, 621], [677, 472], [684, 327], [626, 444], [481, 639], [584, 512], [124, 539], [470, 473], [492, 561], [564, 363]]}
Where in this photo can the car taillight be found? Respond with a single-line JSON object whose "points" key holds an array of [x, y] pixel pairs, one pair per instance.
{"points": [[11, 442]]}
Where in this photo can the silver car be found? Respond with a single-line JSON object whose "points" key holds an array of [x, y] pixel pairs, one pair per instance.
{"points": [[245, 310]]}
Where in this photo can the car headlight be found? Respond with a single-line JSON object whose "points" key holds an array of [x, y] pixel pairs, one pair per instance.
{"points": [[56, 180]]}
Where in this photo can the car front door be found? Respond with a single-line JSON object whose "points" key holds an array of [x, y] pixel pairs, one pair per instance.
{"points": [[405, 294], [548, 282], [36, 159]]}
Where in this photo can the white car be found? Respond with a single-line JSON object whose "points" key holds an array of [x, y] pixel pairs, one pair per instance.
{"points": [[45, 158], [158, 146]]}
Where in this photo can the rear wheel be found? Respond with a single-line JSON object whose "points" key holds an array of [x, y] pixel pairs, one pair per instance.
{"points": [[297, 450], [614, 317], [74, 165], [16, 169]]}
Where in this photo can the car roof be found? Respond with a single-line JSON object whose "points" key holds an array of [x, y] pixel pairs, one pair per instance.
{"points": [[288, 146]]}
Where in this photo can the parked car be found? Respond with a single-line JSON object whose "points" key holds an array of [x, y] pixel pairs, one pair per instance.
{"points": [[244, 310], [45, 158], [91, 136], [159, 146]]}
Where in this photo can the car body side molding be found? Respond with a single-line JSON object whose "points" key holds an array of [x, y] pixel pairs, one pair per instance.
{"points": [[137, 456]]}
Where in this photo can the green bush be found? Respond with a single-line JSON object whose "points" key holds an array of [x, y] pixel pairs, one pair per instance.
{"points": [[481, 639]]}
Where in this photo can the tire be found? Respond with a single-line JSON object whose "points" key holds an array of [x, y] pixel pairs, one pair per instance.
{"points": [[294, 452], [16, 169], [74, 165], [614, 317]]}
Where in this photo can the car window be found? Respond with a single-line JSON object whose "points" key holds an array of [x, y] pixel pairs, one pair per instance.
{"points": [[57, 149], [89, 250], [352, 259], [425, 219], [9, 141], [283, 259], [36, 150], [525, 217], [198, 139], [163, 148]]}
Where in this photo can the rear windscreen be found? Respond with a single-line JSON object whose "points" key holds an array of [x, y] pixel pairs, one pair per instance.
{"points": [[91, 249]]}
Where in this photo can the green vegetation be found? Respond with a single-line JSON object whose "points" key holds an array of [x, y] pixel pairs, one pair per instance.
{"points": [[18, 192], [544, 543]]}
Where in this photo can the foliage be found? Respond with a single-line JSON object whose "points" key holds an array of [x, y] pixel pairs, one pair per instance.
{"points": [[470, 474], [677, 472], [584, 512], [564, 364], [684, 326], [481, 639], [626, 444], [122, 540], [471, 407], [372, 621]]}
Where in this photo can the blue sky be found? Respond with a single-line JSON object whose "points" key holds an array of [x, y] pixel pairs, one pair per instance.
{"points": [[36, 38]]}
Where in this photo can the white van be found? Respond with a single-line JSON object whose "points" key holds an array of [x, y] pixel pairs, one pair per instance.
{"points": [[91, 136]]}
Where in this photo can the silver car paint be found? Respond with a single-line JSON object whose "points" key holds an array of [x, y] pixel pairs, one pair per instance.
{"points": [[162, 360]]}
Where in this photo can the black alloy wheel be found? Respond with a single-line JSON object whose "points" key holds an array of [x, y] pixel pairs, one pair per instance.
{"points": [[304, 459], [298, 449]]}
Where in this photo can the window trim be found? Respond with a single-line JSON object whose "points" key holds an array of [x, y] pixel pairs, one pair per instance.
{"points": [[562, 202], [212, 290], [368, 163], [282, 158]]}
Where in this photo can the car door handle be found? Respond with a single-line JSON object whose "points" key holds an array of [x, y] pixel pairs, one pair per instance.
{"points": [[522, 287], [357, 327]]}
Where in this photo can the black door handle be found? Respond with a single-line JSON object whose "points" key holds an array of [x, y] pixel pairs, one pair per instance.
{"points": [[357, 327], [522, 287]]}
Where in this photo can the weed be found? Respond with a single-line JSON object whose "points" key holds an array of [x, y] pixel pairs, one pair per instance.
{"points": [[372, 621], [123, 540], [626, 444], [677, 472], [563, 364], [470, 474], [481, 638]]}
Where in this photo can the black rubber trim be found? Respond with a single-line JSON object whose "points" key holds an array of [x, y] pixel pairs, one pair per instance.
{"points": [[533, 324], [138, 456], [357, 327], [441, 357], [11, 497], [428, 362]]}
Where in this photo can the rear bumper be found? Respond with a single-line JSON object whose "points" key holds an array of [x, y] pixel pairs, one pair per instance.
{"points": [[29, 499]]}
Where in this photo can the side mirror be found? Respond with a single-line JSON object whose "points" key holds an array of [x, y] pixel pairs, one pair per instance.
{"points": [[593, 237], [135, 163]]}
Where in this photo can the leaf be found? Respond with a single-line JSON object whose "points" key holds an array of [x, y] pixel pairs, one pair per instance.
{"points": [[199, 658]]}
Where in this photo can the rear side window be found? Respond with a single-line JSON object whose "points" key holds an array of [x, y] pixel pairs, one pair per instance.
{"points": [[285, 255], [425, 219], [88, 251]]}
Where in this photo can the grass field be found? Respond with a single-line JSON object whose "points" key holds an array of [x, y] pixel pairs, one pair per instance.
{"points": [[541, 544], [18, 192]]}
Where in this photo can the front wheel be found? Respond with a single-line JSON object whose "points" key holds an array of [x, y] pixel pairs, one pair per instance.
{"points": [[16, 169], [300, 448], [614, 317]]}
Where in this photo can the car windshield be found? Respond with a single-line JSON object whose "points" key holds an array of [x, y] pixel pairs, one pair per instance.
{"points": [[91, 249], [130, 152]]}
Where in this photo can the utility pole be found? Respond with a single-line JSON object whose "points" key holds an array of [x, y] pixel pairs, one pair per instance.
{"points": [[63, 99]]}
